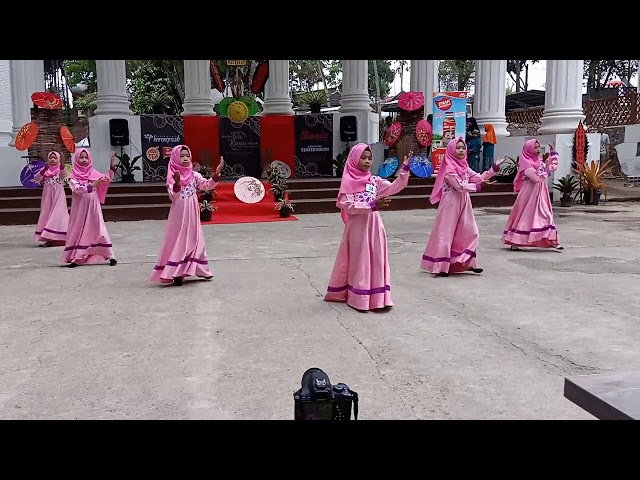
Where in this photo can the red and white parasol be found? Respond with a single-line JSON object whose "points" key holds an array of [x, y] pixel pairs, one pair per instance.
{"points": [[411, 101], [393, 134], [424, 132], [249, 190]]}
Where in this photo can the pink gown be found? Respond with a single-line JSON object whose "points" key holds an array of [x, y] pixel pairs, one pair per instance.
{"points": [[454, 237], [530, 223], [183, 250], [54, 216], [360, 273], [88, 241]]}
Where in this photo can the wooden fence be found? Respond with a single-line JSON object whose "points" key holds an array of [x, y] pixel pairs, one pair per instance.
{"points": [[623, 109]]}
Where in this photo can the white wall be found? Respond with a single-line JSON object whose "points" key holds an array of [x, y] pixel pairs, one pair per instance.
{"points": [[10, 166], [627, 151], [101, 144], [6, 119]]}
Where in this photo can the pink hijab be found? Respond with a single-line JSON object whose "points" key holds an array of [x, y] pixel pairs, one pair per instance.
{"points": [[52, 170], [354, 180], [175, 165], [528, 159], [86, 174], [450, 164]]}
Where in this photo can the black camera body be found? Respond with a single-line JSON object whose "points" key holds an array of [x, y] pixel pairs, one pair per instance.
{"points": [[319, 400]]}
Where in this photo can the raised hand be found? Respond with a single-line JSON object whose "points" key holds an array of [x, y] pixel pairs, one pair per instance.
{"points": [[407, 158], [220, 166], [176, 178], [500, 160], [383, 201], [552, 147], [112, 159]]}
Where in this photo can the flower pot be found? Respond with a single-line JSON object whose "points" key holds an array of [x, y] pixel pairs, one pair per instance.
{"points": [[566, 201], [205, 215], [315, 108], [592, 197], [128, 178], [285, 212]]}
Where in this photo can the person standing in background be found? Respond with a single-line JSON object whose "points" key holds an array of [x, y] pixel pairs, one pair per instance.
{"points": [[605, 145], [488, 146]]}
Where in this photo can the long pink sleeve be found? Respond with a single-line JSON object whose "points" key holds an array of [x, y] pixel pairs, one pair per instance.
{"points": [[38, 176], [459, 185], [79, 189], [474, 177], [352, 207], [385, 187], [206, 184], [533, 175]]}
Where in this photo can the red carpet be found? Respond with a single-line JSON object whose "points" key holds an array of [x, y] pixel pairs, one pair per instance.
{"points": [[232, 210]]}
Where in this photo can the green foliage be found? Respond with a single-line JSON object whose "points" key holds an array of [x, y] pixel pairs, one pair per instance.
{"points": [[456, 75], [566, 185], [87, 103], [315, 98], [126, 165], [598, 73], [154, 89], [81, 71]]}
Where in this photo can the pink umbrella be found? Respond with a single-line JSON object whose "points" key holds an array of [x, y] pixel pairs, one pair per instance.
{"points": [[615, 83], [424, 132], [411, 101], [393, 134]]}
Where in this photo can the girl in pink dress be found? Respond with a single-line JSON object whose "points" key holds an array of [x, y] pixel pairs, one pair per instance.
{"points": [[454, 237], [183, 251], [360, 274], [54, 216], [530, 223], [88, 241]]}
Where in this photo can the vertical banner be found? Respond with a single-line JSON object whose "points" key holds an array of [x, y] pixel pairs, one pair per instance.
{"points": [[449, 122], [314, 145], [240, 147], [277, 137], [159, 134], [202, 135]]}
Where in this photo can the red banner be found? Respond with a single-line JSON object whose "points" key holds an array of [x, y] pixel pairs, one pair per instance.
{"points": [[202, 136], [277, 134]]}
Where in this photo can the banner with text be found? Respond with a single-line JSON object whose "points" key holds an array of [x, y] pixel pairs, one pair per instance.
{"points": [[159, 134], [314, 145], [240, 147], [449, 122]]}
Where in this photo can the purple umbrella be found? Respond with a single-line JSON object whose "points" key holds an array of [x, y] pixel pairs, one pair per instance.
{"points": [[28, 172]]}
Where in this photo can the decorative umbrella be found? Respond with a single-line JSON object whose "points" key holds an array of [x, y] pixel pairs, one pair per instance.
{"points": [[421, 166], [251, 104], [47, 100], [260, 77], [424, 132], [215, 74], [67, 139], [29, 172], [286, 170], [249, 190], [388, 167], [411, 101], [26, 136], [393, 134]]}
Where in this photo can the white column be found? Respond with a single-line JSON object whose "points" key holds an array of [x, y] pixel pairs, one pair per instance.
{"points": [[113, 98], [277, 98], [197, 88], [490, 95], [563, 97], [424, 78], [6, 119], [355, 86], [27, 78]]}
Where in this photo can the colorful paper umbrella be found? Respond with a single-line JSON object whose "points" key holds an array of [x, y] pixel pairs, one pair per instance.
{"points": [[260, 77], [286, 170], [26, 136], [424, 132], [215, 74], [393, 134], [28, 172], [411, 101], [249, 190], [67, 139], [388, 167], [421, 166], [47, 100]]}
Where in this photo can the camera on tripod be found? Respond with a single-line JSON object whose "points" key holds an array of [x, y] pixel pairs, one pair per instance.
{"points": [[319, 400]]}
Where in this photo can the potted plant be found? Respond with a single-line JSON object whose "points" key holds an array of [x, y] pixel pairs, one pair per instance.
{"points": [[591, 184], [278, 182], [340, 160], [126, 166], [566, 185], [285, 208], [206, 209], [206, 172], [315, 100], [508, 170]]}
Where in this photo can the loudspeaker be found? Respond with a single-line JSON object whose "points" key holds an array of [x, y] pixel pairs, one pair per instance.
{"points": [[119, 131], [348, 129]]}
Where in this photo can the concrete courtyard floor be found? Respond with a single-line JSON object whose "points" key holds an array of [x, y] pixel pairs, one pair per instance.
{"points": [[100, 342]]}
